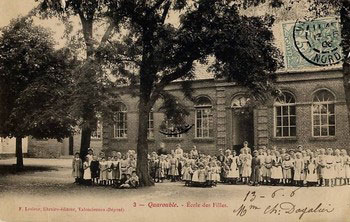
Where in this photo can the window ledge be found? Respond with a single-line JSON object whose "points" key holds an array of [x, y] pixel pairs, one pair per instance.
{"points": [[96, 139], [203, 140], [121, 138], [328, 138], [284, 138], [173, 139]]}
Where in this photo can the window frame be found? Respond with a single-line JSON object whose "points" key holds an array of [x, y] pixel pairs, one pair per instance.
{"points": [[123, 130], [320, 125], [282, 116], [209, 118], [150, 129]]}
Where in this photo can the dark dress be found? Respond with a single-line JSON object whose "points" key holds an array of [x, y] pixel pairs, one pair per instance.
{"points": [[153, 167], [221, 158], [180, 168], [256, 164], [95, 170]]}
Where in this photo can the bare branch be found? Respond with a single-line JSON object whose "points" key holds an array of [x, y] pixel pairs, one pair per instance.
{"points": [[107, 34], [165, 12], [158, 4]]}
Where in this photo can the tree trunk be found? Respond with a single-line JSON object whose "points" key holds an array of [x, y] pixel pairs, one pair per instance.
{"points": [[345, 24], [142, 146], [87, 25], [85, 141], [71, 145], [346, 79], [19, 154]]}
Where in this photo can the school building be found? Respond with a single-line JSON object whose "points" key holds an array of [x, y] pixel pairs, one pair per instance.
{"points": [[311, 110]]}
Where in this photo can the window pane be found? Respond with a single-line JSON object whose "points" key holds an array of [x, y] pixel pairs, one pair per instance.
{"points": [[279, 121], [285, 121], [324, 131], [316, 109], [285, 131], [285, 110], [278, 111], [332, 120], [292, 110], [324, 119], [199, 124], [331, 108], [323, 109], [293, 131], [278, 131], [317, 131], [293, 121], [198, 133], [317, 120], [332, 130]]}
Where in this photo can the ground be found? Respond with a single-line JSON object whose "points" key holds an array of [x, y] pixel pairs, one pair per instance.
{"points": [[45, 192]]}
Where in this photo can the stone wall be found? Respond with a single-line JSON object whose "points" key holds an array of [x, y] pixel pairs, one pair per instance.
{"points": [[44, 148]]}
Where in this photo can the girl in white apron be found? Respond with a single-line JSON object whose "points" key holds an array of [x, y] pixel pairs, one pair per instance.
{"points": [[311, 176], [87, 171]]}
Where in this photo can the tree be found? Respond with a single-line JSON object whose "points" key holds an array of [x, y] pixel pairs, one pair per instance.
{"points": [[33, 85], [152, 52], [91, 96]]}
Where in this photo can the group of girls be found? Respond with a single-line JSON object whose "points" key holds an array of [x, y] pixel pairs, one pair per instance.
{"points": [[297, 167], [116, 170], [300, 167], [195, 170]]}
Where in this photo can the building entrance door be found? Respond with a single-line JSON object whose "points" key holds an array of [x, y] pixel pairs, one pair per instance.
{"points": [[242, 124]]}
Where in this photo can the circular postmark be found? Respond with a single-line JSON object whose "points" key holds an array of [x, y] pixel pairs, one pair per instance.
{"points": [[318, 41]]}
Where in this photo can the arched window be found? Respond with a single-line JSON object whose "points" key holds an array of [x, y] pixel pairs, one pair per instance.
{"points": [[323, 114], [203, 118], [120, 126], [285, 115]]}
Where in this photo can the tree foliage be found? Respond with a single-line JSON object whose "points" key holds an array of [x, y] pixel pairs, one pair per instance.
{"points": [[92, 95], [242, 47], [33, 83], [143, 47]]}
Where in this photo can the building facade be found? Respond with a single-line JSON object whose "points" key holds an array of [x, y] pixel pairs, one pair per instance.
{"points": [[51, 148], [8, 147], [311, 111]]}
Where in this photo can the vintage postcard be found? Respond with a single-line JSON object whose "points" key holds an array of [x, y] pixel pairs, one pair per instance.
{"points": [[174, 110]]}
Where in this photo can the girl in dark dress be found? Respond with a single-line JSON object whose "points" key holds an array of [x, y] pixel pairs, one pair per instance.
{"points": [[95, 170], [256, 165]]}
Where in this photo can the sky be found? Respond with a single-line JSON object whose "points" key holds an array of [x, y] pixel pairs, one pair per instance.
{"points": [[10, 9]]}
